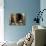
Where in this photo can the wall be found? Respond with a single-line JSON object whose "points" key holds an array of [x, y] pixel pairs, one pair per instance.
{"points": [[29, 8], [43, 6], [1, 21]]}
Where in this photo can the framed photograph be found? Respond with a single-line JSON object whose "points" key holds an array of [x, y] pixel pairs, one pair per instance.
{"points": [[17, 19]]}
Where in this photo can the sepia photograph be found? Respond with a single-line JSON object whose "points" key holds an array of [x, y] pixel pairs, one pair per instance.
{"points": [[17, 19]]}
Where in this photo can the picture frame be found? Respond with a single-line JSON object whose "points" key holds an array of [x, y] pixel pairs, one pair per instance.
{"points": [[17, 19]]}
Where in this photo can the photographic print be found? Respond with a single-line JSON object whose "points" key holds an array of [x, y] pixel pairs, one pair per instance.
{"points": [[17, 19]]}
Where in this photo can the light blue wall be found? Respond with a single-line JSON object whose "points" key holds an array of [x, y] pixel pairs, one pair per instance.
{"points": [[28, 7], [43, 6]]}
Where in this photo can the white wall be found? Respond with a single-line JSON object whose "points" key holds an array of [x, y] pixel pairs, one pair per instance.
{"points": [[1, 21]]}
